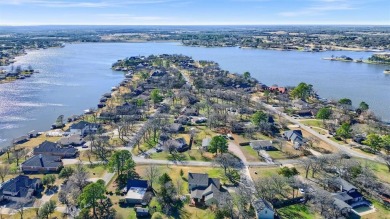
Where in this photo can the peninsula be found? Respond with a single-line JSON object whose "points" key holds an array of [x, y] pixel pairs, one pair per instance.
{"points": [[184, 137]]}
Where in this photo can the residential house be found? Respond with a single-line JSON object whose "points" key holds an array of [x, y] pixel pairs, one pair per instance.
{"points": [[203, 190], [19, 189], [138, 192], [84, 128], [175, 128], [54, 149], [42, 164], [263, 209], [73, 140], [179, 145], [206, 143], [262, 145], [300, 104], [281, 90], [296, 137]]}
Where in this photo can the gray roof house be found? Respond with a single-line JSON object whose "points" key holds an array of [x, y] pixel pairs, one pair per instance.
{"points": [[54, 149], [206, 143], [295, 136], [203, 190], [262, 145], [20, 188], [74, 140], [300, 104], [263, 209], [348, 196], [83, 128], [42, 164]]}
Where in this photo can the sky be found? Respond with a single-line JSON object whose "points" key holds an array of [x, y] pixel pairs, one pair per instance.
{"points": [[194, 12]]}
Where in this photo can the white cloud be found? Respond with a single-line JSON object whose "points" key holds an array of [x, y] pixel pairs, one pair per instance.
{"points": [[321, 7]]}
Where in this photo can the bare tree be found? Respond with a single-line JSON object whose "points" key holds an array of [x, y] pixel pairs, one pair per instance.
{"points": [[4, 171], [306, 163], [80, 176], [152, 173], [18, 154], [101, 148], [227, 162]]}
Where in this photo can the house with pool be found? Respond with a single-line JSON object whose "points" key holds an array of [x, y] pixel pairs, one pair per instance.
{"points": [[349, 200]]}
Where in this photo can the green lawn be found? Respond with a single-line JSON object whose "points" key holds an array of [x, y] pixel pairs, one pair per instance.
{"points": [[380, 170], [95, 171], [277, 155], [313, 122], [191, 155], [250, 154], [297, 211]]}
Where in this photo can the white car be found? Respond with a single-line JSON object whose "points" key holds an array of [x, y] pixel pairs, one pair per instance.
{"points": [[302, 191]]}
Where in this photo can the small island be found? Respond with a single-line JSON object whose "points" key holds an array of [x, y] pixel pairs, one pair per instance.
{"points": [[377, 58], [17, 73]]}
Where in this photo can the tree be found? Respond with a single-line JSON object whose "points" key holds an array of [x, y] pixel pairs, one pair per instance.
{"points": [[218, 144], [374, 141], [227, 162], [164, 178], [152, 174], [80, 176], [155, 96], [302, 91], [324, 113], [66, 172], [104, 209], [167, 197], [386, 143], [48, 180], [363, 106], [47, 209], [18, 154], [344, 131], [345, 101], [288, 172], [118, 160], [259, 117], [90, 196], [267, 95], [247, 75], [181, 173], [4, 171]]}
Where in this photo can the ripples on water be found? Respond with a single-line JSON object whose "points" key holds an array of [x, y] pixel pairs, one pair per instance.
{"points": [[73, 78]]}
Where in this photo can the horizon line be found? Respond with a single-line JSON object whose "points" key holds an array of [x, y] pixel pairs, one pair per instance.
{"points": [[279, 24]]}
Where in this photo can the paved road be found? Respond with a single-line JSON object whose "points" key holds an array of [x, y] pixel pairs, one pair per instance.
{"points": [[321, 137]]}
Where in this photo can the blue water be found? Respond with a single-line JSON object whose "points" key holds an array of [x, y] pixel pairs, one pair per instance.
{"points": [[73, 78]]}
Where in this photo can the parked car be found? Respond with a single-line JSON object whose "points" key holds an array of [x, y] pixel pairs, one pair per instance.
{"points": [[159, 149], [302, 191]]}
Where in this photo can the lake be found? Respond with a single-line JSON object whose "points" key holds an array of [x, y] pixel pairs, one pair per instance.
{"points": [[73, 78]]}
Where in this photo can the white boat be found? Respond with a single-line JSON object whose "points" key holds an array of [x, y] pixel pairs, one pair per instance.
{"points": [[387, 71]]}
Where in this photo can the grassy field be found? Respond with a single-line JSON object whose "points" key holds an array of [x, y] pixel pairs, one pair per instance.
{"points": [[262, 172], [312, 122], [30, 213], [297, 211], [250, 154], [191, 155], [277, 155], [380, 170]]}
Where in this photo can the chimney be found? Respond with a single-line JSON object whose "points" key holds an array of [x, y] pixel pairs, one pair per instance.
{"points": [[40, 159], [341, 188]]}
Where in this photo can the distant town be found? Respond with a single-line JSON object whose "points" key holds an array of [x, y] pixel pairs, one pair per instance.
{"points": [[183, 138]]}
